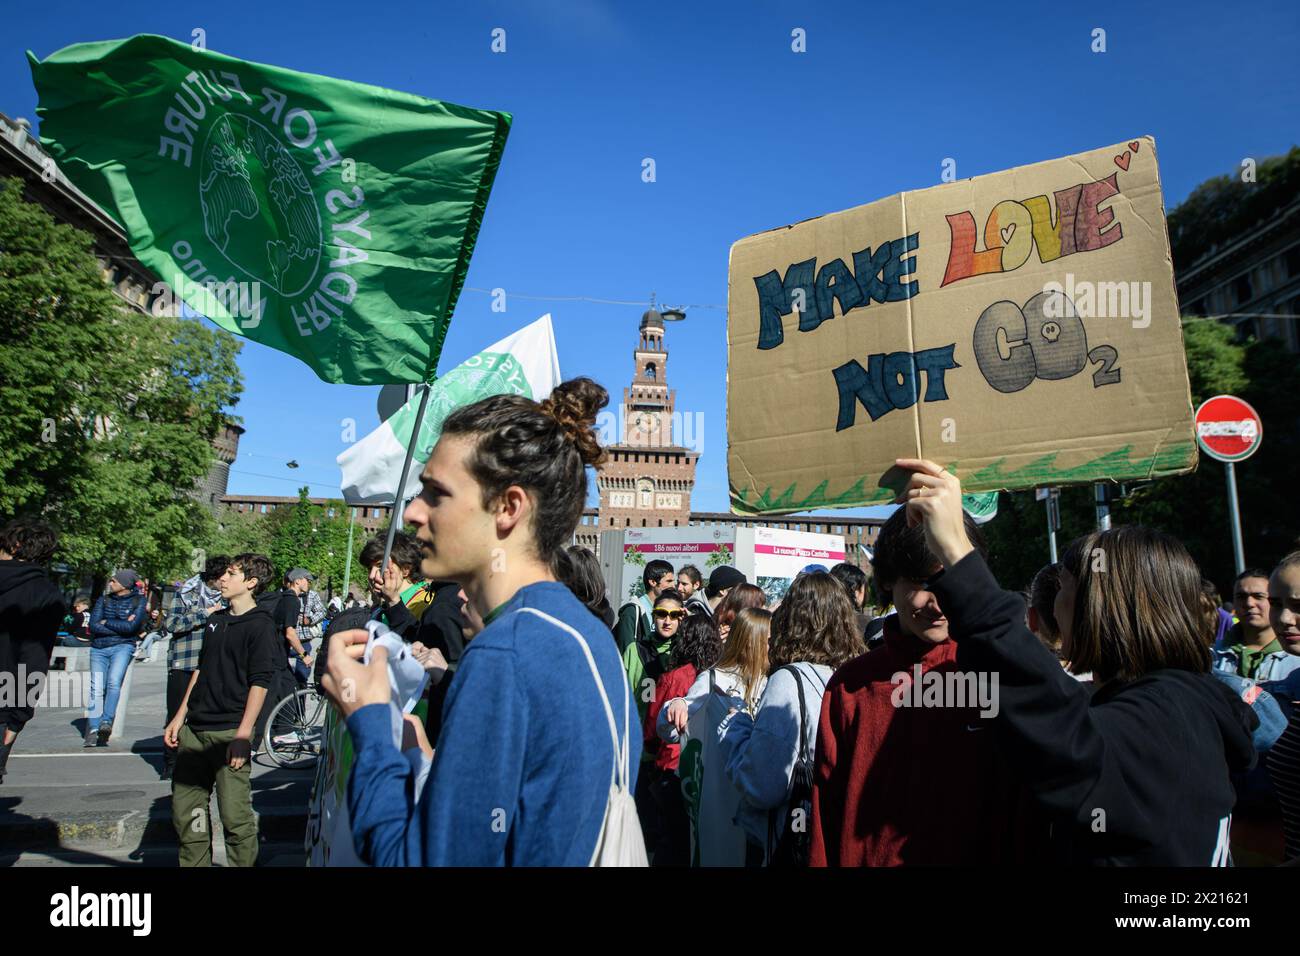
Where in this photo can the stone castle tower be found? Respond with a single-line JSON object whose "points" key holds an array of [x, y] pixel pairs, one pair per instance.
{"points": [[648, 479]]}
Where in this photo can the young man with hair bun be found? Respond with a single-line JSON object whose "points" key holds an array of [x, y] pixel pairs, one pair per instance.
{"points": [[539, 720]]}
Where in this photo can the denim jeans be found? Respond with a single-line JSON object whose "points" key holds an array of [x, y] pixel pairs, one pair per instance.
{"points": [[149, 641], [107, 671], [301, 672]]}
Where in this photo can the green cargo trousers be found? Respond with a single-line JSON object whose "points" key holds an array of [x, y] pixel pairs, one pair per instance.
{"points": [[201, 765]]}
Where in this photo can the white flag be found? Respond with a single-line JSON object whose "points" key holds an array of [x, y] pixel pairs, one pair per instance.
{"points": [[525, 364]]}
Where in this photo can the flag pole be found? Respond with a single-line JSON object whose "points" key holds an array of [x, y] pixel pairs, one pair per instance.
{"points": [[399, 497], [347, 565]]}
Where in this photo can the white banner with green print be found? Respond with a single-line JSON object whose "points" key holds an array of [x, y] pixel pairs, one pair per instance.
{"points": [[525, 363]]}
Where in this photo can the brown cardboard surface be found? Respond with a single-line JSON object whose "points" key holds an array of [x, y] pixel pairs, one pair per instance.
{"points": [[930, 323]]}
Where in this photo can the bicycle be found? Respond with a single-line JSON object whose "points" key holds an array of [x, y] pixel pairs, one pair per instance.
{"points": [[295, 729], [294, 732]]}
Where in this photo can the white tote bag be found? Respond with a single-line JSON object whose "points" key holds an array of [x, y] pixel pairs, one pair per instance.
{"points": [[620, 842]]}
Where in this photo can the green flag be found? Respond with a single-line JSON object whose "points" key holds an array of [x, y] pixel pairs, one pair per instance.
{"points": [[330, 220]]}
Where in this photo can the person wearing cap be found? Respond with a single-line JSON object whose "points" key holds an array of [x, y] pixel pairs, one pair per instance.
{"points": [[722, 580], [311, 618], [116, 623], [296, 610], [292, 652]]}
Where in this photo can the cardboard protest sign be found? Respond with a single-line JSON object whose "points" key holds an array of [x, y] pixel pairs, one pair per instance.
{"points": [[1021, 328]]}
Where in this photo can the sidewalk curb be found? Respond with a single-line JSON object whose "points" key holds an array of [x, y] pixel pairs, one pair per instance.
{"points": [[119, 828]]}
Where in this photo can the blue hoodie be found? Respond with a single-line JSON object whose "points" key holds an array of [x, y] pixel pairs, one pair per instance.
{"points": [[522, 770]]}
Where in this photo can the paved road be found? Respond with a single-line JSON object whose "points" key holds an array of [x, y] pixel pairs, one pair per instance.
{"points": [[63, 804]]}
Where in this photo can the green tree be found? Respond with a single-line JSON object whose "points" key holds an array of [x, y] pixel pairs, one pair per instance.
{"points": [[1017, 535], [308, 537], [292, 545], [238, 532], [332, 549], [106, 415], [1195, 507]]}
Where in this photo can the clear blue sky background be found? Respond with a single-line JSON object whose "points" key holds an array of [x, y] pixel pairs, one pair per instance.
{"points": [[746, 136]]}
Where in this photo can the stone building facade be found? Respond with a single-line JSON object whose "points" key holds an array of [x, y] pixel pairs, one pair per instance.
{"points": [[1251, 281], [215, 484], [369, 518]]}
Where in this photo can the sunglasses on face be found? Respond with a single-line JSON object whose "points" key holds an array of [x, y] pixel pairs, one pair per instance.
{"points": [[662, 613]]}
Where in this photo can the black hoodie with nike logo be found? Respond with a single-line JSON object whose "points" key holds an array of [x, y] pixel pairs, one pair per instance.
{"points": [[239, 653], [1136, 774]]}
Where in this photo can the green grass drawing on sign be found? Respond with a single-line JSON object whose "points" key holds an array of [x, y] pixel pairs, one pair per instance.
{"points": [[1117, 465]]}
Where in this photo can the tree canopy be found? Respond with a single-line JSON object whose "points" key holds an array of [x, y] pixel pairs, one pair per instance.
{"points": [[305, 535], [1221, 208], [107, 416]]}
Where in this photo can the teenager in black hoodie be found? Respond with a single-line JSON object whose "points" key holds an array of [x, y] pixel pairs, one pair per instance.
{"points": [[214, 726], [1135, 772], [31, 610]]}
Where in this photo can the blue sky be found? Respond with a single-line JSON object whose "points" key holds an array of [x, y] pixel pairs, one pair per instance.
{"points": [[746, 135]]}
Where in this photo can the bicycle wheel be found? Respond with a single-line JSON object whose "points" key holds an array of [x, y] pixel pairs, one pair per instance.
{"points": [[295, 730]]}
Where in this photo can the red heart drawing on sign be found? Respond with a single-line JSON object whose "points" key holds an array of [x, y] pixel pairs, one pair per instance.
{"points": [[1134, 145], [1007, 233], [1122, 161]]}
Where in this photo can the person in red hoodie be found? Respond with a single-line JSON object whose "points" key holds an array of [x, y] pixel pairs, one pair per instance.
{"points": [[696, 648], [907, 771]]}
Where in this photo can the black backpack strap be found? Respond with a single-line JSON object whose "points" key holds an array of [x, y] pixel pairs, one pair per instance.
{"points": [[803, 713], [713, 683], [775, 820], [819, 678]]}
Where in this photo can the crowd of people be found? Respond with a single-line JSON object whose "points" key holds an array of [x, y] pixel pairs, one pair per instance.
{"points": [[1094, 720], [1112, 713]]}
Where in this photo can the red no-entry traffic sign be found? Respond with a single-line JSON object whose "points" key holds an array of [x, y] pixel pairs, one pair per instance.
{"points": [[1228, 428]]}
